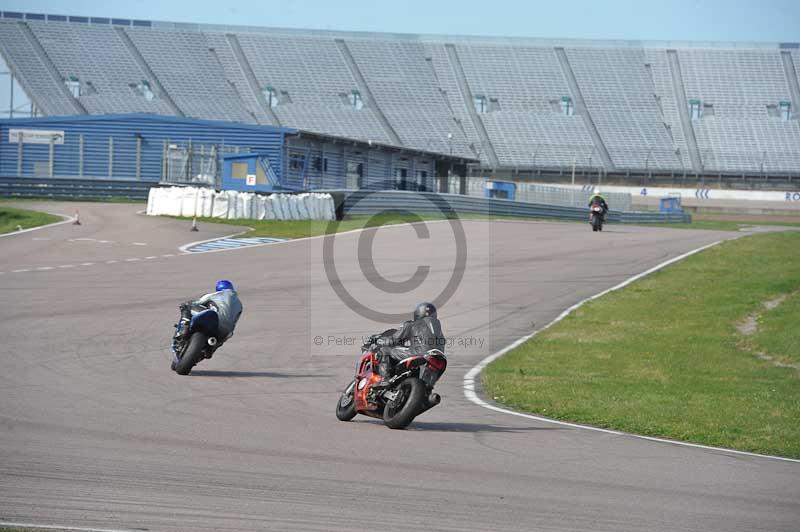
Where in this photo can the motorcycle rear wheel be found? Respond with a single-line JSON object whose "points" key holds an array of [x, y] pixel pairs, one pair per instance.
{"points": [[192, 355], [346, 405], [399, 413]]}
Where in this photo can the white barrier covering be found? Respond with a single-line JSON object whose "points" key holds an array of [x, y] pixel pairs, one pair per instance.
{"points": [[220, 209], [232, 205]]}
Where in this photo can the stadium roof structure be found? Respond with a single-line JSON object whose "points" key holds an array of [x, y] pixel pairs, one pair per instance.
{"points": [[606, 106]]}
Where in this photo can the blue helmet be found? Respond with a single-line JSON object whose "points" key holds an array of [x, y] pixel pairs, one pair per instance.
{"points": [[224, 284]]}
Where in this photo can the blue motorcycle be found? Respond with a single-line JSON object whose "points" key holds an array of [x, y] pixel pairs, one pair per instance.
{"points": [[195, 338]]}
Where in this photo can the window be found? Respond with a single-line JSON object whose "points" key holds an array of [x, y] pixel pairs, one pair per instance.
{"points": [[400, 175], [73, 85], [297, 161], [355, 100], [320, 164], [422, 180], [785, 110], [695, 110], [567, 107], [144, 89], [355, 169], [271, 95], [481, 105]]}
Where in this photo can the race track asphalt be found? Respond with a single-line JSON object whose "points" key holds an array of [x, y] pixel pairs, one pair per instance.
{"points": [[96, 431]]}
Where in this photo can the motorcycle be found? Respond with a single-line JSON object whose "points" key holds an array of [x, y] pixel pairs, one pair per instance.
{"points": [[596, 217], [199, 342], [409, 392]]}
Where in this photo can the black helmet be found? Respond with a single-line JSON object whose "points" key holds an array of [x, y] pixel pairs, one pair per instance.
{"points": [[424, 309]]}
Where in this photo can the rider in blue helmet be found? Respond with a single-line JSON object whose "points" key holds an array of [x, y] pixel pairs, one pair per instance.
{"points": [[224, 300], [224, 284]]}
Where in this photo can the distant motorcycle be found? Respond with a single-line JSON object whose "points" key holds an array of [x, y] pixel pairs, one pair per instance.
{"points": [[596, 217], [409, 393], [201, 340]]}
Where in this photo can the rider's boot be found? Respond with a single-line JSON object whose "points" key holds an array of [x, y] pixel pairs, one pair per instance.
{"points": [[385, 371]]}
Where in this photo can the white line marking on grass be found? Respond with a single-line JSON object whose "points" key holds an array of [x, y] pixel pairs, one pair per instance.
{"points": [[472, 374], [62, 527]]}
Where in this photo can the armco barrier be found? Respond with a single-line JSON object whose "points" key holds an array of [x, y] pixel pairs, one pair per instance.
{"points": [[62, 188], [365, 202]]}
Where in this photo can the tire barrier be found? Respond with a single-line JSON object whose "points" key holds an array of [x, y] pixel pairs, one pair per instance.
{"points": [[233, 205]]}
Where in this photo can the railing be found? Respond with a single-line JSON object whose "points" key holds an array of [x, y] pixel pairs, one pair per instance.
{"points": [[349, 202], [55, 188], [367, 202]]}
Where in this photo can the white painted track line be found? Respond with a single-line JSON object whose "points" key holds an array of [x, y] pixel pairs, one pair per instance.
{"points": [[59, 527]]}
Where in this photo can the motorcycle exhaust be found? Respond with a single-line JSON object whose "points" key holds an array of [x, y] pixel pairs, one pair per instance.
{"points": [[431, 401], [212, 341]]}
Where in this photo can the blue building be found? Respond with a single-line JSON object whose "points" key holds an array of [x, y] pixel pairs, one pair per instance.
{"points": [[155, 148]]}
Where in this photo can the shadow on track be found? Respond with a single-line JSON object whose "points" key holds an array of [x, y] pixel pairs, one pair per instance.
{"points": [[244, 374], [473, 427]]}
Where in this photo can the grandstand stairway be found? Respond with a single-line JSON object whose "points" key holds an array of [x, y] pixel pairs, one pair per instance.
{"points": [[365, 90], [151, 76], [247, 70], [791, 77], [463, 85], [683, 110], [48, 63], [582, 110]]}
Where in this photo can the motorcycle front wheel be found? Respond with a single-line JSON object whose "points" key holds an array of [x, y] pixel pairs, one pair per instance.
{"points": [[346, 405], [400, 412], [192, 354]]}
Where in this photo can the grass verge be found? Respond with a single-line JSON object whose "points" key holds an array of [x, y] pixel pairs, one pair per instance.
{"points": [[663, 357], [11, 219], [721, 222], [778, 333], [306, 228]]}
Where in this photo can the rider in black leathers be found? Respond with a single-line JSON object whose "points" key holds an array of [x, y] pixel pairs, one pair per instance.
{"points": [[421, 334]]}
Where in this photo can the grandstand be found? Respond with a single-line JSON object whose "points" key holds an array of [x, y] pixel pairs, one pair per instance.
{"points": [[625, 107]]}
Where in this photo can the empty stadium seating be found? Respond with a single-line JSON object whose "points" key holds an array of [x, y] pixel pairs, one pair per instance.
{"points": [[514, 103]]}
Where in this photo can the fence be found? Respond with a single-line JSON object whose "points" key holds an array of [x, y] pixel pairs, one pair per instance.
{"points": [[195, 164], [546, 194], [60, 188], [363, 202]]}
